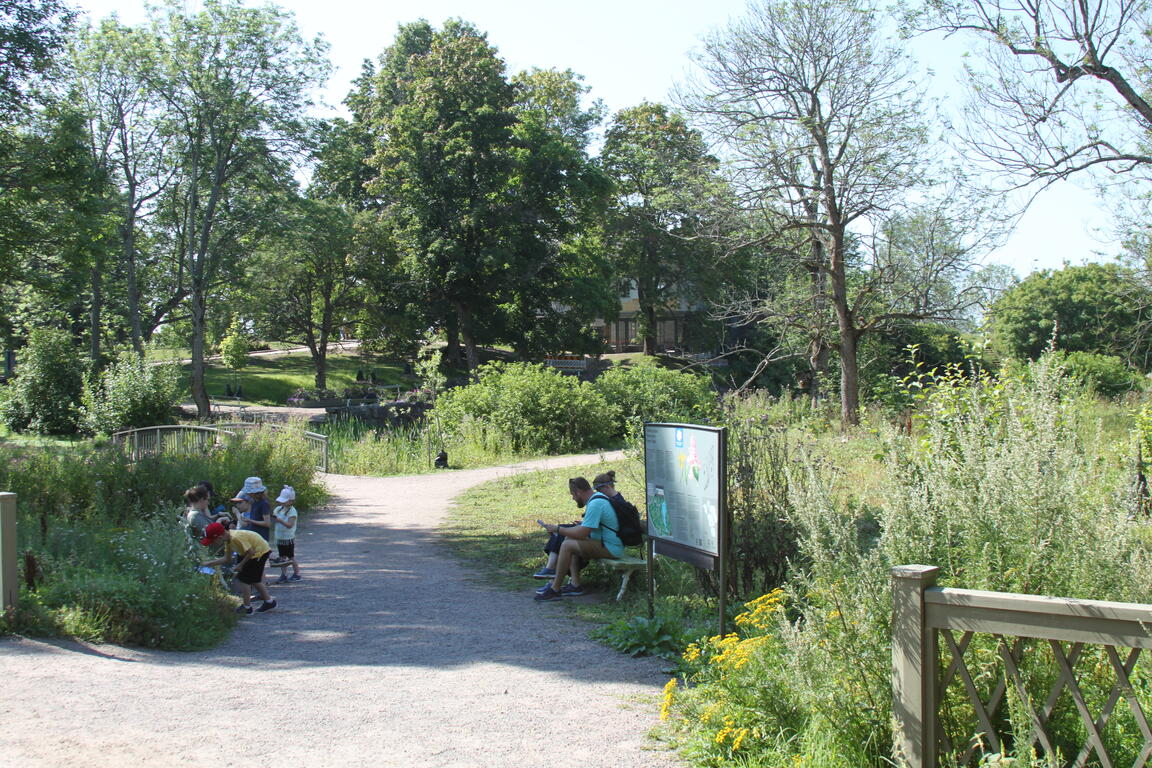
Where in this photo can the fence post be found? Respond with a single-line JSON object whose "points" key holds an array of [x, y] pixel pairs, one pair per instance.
{"points": [[913, 668], [9, 575]]}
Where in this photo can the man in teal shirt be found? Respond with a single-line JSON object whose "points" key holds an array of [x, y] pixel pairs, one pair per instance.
{"points": [[595, 538]]}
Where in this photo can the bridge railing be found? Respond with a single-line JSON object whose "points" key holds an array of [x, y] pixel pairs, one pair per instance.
{"points": [[190, 438], [1104, 638]]}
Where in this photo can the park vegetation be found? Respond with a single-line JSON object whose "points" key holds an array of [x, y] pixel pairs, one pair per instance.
{"points": [[889, 400], [104, 551]]}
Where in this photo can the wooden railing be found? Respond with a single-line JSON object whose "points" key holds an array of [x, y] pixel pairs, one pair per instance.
{"points": [[928, 620], [188, 438]]}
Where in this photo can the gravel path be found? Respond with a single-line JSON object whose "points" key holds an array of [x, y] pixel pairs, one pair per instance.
{"points": [[386, 654]]}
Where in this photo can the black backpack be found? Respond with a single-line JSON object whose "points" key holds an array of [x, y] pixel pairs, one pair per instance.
{"points": [[631, 533]]}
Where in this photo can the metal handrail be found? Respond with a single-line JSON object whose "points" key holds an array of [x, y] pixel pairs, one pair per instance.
{"points": [[176, 438]]}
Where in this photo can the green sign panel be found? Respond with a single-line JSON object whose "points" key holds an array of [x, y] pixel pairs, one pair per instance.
{"points": [[684, 467]]}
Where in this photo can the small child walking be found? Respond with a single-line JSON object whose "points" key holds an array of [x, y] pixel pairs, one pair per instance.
{"points": [[284, 521]]}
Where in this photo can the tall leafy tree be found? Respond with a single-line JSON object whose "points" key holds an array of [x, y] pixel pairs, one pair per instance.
{"points": [[663, 175], [481, 180], [235, 84], [308, 278], [127, 128]]}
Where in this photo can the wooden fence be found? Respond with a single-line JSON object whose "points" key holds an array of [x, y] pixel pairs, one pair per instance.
{"points": [[928, 620], [186, 438]]}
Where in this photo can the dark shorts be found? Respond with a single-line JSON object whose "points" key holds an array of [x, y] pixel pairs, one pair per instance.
{"points": [[253, 570], [286, 548]]}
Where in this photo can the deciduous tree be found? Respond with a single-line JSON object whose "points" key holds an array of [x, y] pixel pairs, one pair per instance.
{"points": [[823, 125]]}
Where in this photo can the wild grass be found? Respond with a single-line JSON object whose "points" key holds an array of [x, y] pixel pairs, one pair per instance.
{"points": [[357, 448], [104, 538], [1007, 484]]}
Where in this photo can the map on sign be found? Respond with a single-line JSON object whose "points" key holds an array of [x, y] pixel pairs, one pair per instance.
{"points": [[682, 468]]}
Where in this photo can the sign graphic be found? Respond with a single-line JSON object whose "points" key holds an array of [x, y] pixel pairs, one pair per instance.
{"points": [[684, 482]]}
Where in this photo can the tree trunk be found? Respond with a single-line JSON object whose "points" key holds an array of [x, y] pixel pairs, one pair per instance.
{"points": [[94, 314], [647, 316], [128, 236], [320, 354], [199, 391], [452, 343], [468, 336], [849, 337], [320, 361]]}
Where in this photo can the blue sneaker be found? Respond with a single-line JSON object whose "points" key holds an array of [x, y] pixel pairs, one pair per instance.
{"points": [[571, 590], [547, 594], [545, 573]]}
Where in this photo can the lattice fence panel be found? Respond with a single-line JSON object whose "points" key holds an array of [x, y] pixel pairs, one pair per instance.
{"points": [[1065, 705]]}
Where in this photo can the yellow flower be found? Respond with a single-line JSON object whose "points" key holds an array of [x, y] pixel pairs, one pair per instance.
{"points": [[669, 695], [692, 652], [741, 734]]}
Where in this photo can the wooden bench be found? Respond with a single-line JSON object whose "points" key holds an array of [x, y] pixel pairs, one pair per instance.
{"points": [[567, 363], [626, 565]]}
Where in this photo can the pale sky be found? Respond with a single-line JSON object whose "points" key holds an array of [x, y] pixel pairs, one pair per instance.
{"points": [[629, 51]]}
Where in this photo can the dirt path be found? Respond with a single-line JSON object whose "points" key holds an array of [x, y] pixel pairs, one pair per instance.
{"points": [[386, 654]]}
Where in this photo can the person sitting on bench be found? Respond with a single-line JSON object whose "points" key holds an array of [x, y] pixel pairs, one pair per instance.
{"points": [[594, 539], [605, 482]]}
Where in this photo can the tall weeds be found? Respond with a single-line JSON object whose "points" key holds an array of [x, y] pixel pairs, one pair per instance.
{"points": [[1003, 485], [105, 535]]}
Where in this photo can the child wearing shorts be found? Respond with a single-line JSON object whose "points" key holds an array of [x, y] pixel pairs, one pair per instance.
{"points": [[253, 552], [284, 519]]}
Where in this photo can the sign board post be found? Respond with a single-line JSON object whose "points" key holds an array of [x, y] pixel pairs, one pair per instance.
{"points": [[686, 489], [9, 575]]}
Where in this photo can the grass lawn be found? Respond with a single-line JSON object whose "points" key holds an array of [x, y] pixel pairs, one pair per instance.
{"points": [[270, 379], [493, 526]]}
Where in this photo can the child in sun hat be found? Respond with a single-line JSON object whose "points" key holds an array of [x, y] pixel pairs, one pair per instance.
{"points": [[284, 519], [252, 552], [258, 516]]}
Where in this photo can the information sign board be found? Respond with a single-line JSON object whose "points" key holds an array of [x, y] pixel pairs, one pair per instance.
{"points": [[684, 479]]}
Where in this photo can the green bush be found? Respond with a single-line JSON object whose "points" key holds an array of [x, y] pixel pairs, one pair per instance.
{"points": [[131, 586], [647, 392], [49, 379], [130, 393], [529, 408], [1107, 375], [234, 346]]}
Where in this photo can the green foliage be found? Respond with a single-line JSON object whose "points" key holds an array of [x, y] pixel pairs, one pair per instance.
{"points": [[998, 488], [529, 408], [234, 346], [647, 392], [130, 586], [764, 538], [130, 393], [643, 636], [31, 31], [44, 397], [1090, 308], [1106, 375], [107, 534]]}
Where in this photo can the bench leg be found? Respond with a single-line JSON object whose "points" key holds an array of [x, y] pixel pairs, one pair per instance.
{"points": [[623, 584]]}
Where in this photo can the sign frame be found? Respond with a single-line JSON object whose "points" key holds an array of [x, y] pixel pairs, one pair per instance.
{"points": [[662, 544]]}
